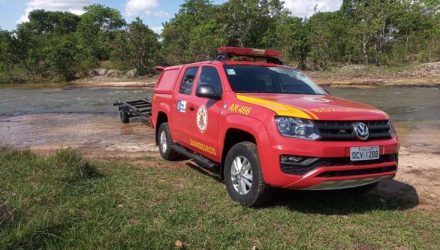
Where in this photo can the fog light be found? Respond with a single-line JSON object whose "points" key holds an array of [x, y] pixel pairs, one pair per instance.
{"points": [[299, 161], [291, 158]]}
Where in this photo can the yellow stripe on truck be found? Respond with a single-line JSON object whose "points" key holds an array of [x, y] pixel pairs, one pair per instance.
{"points": [[278, 108]]}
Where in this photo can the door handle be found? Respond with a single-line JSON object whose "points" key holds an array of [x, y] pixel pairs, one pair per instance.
{"points": [[191, 108]]}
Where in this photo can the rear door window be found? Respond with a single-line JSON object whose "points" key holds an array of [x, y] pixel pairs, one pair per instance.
{"points": [[168, 79], [188, 81]]}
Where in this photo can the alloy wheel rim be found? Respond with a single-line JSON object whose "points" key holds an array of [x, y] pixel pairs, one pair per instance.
{"points": [[241, 175], [163, 142]]}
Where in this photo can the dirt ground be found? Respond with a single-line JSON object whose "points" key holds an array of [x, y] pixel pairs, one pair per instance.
{"points": [[417, 183]]}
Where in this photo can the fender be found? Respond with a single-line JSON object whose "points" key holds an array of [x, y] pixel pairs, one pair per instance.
{"points": [[160, 105], [252, 126]]}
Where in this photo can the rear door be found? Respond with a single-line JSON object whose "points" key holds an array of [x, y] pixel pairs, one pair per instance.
{"points": [[180, 110], [203, 116]]}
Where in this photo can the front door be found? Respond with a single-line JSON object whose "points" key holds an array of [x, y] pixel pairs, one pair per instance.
{"points": [[204, 117], [180, 111]]}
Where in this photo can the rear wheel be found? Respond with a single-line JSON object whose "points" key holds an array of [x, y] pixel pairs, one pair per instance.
{"points": [[164, 141], [243, 177], [124, 116]]}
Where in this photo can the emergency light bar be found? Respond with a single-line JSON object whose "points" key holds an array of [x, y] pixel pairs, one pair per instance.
{"points": [[236, 51]]}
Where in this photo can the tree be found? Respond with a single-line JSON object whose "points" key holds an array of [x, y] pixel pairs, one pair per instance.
{"points": [[42, 22], [193, 34], [291, 37], [61, 57], [57, 45], [248, 21], [431, 9], [45, 45], [136, 48], [97, 30], [7, 51]]}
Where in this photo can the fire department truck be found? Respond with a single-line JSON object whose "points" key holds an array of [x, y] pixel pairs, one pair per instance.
{"points": [[262, 124]]}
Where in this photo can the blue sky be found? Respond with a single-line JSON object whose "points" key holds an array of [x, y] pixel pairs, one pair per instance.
{"points": [[153, 12]]}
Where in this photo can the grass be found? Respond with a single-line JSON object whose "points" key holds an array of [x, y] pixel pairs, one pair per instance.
{"points": [[66, 201]]}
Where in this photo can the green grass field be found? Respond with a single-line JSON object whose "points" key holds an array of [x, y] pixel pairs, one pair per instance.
{"points": [[65, 201]]}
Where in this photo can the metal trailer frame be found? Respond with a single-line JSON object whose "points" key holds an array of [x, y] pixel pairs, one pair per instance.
{"points": [[137, 108]]}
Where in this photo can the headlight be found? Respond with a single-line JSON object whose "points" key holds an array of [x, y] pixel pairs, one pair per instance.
{"points": [[296, 127], [392, 130]]}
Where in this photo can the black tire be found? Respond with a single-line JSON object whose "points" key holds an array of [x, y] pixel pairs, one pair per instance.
{"points": [[124, 117], [167, 152], [259, 192]]}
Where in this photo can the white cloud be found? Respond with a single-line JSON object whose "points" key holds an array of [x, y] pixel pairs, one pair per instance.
{"points": [[136, 7], [306, 8], [161, 13], [74, 6], [157, 29]]}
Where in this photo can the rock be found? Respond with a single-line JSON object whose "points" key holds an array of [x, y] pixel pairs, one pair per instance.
{"points": [[114, 73], [97, 72], [131, 73], [79, 75]]}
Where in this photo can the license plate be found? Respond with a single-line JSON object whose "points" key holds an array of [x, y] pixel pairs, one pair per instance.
{"points": [[364, 153]]}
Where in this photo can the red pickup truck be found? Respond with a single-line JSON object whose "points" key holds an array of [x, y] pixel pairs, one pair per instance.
{"points": [[262, 124]]}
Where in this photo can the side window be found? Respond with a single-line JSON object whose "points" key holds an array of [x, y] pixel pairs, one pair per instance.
{"points": [[209, 76], [188, 81], [167, 79]]}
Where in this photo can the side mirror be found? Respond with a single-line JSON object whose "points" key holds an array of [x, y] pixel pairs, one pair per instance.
{"points": [[207, 91]]}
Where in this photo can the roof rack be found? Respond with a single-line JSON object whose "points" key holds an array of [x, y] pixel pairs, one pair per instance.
{"points": [[271, 56]]}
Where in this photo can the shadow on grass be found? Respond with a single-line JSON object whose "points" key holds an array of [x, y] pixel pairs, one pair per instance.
{"points": [[388, 195], [214, 174]]}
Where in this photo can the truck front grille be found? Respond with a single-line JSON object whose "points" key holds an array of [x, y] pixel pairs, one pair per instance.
{"points": [[343, 130]]}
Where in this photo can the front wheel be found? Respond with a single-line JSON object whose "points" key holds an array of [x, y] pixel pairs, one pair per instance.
{"points": [[243, 177]]}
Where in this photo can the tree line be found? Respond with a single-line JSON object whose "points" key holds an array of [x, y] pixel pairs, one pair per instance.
{"points": [[63, 46]]}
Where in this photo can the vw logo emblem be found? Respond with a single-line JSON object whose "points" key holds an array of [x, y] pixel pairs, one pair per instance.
{"points": [[361, 130]]}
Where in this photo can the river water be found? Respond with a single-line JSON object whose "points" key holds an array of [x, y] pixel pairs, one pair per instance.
{"points": [[66, 100], [402, 104], [415, 111]]}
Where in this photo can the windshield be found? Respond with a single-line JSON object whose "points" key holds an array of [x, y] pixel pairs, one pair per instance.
{"points": [[263, 79]]}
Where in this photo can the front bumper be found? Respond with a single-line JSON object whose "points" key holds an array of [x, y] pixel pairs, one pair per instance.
{"points": [[333, 169], [343, 184]]}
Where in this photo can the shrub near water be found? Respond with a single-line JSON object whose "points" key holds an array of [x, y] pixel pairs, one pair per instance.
{"points": [[65, 201]]}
